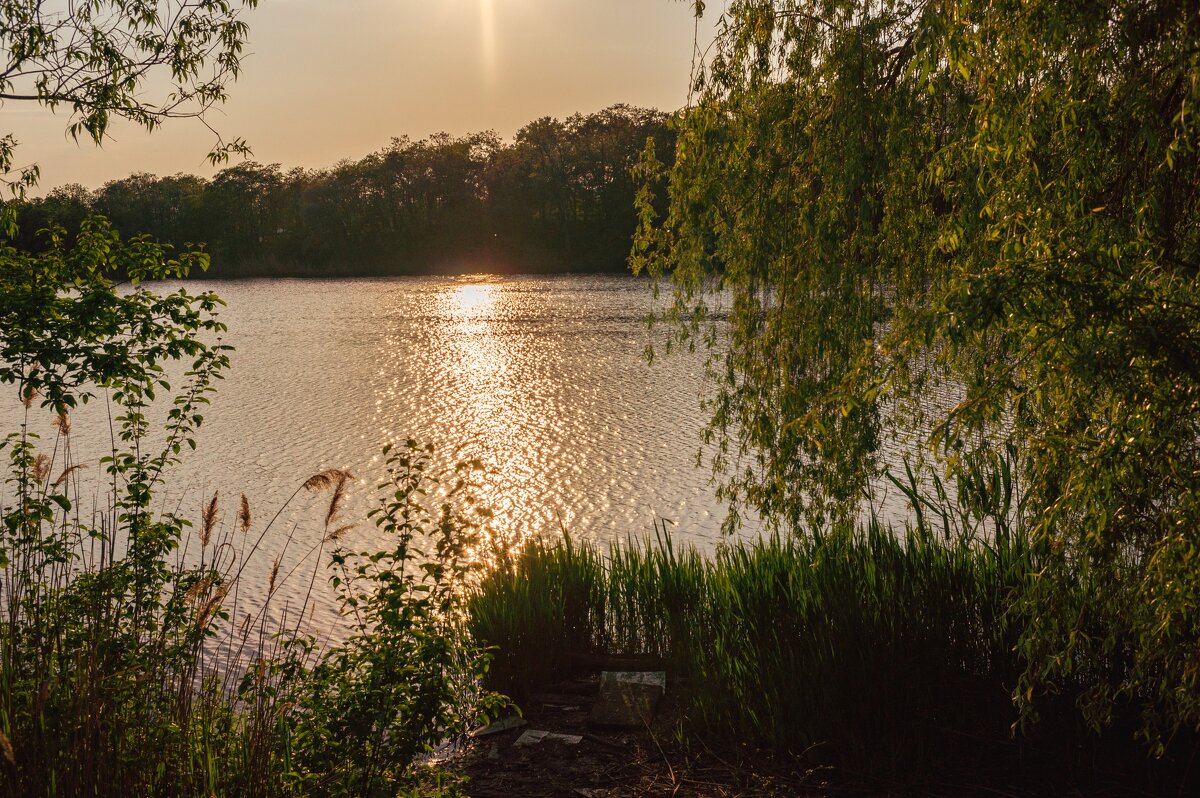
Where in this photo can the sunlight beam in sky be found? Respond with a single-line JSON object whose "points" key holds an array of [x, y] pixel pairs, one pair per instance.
{"points": [[487, 22]]}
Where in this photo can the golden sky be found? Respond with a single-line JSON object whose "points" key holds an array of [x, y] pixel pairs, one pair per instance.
{"points": [[333, 79]]}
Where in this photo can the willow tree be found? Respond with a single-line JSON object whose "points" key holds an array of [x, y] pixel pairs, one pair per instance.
{"points": [[992, 195]]}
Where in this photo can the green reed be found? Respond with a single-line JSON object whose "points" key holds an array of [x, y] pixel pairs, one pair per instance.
{"points": [[854, 637]]}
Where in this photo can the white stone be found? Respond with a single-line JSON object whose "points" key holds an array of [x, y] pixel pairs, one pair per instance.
{"points": [[535, 736], [651, 678]]}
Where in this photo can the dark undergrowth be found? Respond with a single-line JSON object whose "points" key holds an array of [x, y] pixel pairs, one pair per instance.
{"points": [[885, 655]]}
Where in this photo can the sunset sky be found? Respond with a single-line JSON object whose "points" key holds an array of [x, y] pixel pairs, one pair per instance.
{"points": [[332, 79]]}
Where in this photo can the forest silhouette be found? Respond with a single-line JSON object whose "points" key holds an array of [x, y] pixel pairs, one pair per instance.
{"points": [[559, 197]]}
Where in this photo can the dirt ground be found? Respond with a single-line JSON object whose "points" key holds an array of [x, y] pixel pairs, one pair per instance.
{"points": [[607, 763], [657, 761]]}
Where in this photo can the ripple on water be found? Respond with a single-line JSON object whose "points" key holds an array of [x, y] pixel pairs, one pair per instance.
{"points": [[540, 377]]}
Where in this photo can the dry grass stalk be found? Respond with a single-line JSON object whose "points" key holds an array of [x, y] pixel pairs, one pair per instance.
{"points": [[274, 576], [198, 589], [260, 670], [62, 423], [209, 608], [62, 478], [327, 478], [337, 534], [335, 502], [209, 521], [41, 468], [244, 515]]}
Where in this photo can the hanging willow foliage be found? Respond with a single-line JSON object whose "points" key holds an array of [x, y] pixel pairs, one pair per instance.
{"points": [[995, 197]]}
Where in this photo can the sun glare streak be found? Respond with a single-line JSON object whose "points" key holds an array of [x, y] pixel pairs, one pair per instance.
{"points": [[487, 22]]}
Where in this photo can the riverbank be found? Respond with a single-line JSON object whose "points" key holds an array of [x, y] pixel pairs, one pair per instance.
{"points": [[868, 658]]}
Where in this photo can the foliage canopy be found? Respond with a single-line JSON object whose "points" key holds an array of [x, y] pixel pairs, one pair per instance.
{"points": [[997, 202], [145, 61]]}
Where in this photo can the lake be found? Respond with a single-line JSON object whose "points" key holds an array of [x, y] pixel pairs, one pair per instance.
{"points": [[542, 378]]}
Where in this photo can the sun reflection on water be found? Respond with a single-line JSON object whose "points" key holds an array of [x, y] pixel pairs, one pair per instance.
{"points": [[485, 394], [474, 299], [489, 415], [541, 381]]}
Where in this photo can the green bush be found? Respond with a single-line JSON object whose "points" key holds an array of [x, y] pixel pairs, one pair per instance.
{"points": [[409, 675]]}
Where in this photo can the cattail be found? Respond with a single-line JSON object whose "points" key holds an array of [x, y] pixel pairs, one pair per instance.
{"points": [[67, 473], [244, 515], [209, 521], [325, 479], [62, 423], [335, 502], [337, 533], [41, 468], [274, 574]]}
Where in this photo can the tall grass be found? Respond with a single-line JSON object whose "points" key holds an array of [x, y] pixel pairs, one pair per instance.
{"points": [[130, 663], [857, 638]]}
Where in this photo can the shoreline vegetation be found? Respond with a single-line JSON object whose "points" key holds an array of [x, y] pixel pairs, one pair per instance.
{"points": [[859, 653], [830, 646]]}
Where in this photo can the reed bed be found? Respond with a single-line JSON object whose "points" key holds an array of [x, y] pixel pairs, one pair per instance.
{"points": [[857, 638]]}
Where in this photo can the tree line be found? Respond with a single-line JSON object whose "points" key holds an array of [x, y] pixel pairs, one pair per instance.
{"points": [[558, 197]]}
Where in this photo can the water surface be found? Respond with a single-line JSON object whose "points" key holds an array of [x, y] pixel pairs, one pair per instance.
{"points": [[541, 378]]}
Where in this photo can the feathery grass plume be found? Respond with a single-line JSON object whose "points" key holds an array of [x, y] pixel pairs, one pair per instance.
{"points": [[244, 515], [65, 475], [27, 397], [210, 520], [335, 501], [337, 534], [62, 423], [327, 478], [274, 576], [198, 589], [41, 468], [209, 608]]}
